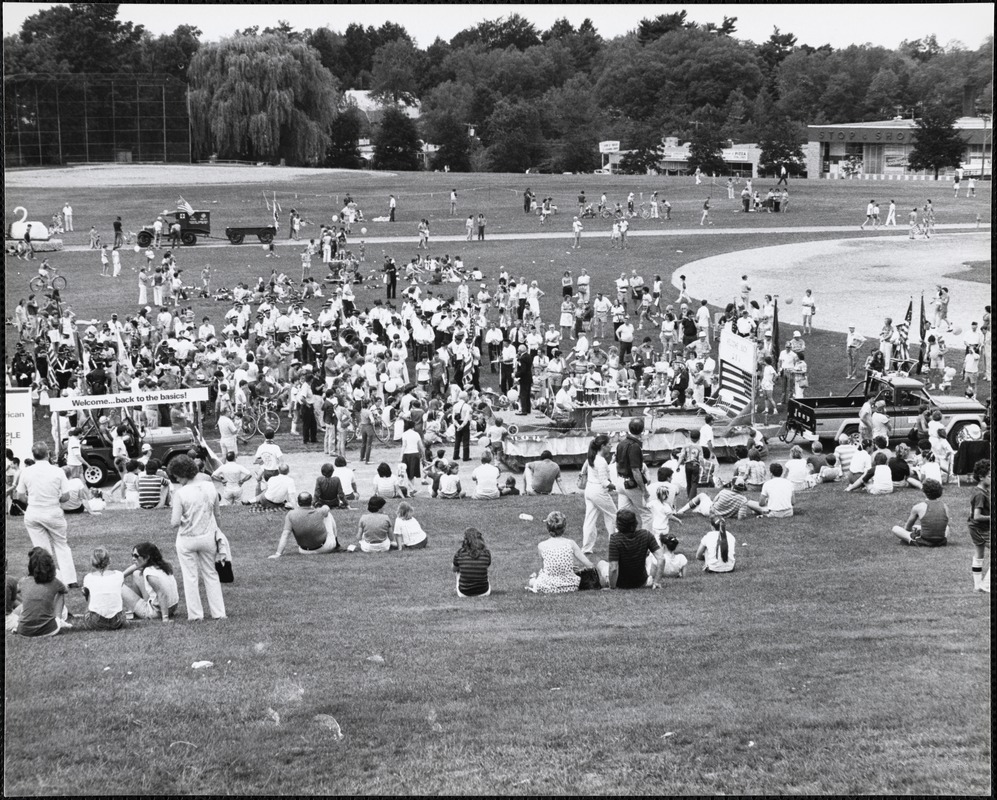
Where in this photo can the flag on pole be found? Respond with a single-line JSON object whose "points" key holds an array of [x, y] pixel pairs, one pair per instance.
{"points": [[183, 205], [924, 332], [776, 347], [902, 355]]}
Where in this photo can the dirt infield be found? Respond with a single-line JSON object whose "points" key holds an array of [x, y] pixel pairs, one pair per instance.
{"points": [[854, 281], [104, 175]]}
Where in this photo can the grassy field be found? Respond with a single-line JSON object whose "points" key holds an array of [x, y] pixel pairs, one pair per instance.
{"points": [[834, 660]]}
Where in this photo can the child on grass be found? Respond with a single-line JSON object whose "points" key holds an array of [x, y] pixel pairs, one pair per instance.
{"points": [[979, 524], [675, 562], [408, 533]]}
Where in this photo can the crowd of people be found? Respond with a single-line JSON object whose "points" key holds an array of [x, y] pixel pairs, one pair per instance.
{"points": [[440, 366]]}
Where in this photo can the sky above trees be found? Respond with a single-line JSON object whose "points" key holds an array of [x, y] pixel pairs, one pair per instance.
{"points": [[836, 24]]}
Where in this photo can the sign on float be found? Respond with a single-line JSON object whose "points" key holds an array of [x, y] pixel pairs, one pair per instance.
{"points": [[93, 401], [19, 430]]}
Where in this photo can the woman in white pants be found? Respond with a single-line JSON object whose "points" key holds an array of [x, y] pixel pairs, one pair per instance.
{"points": [[195, 516], [598, 486]]}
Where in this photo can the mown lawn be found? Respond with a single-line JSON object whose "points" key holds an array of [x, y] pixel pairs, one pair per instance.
{"points": [[833, 660]]}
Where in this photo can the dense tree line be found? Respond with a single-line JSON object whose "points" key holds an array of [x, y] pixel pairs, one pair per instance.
{"points": [[532, 98]]}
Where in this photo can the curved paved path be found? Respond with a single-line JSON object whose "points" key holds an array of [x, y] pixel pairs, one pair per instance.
{"points": [[855, 281]]}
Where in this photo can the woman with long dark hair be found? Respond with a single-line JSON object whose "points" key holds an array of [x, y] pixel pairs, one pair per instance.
{"points": [[598, 485], [471, 564], [716, 549], [155, 594]]}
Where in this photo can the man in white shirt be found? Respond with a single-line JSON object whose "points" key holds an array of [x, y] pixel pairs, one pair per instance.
{"points": [[703, 319], [74, 454], [777, 494], [44, 486], [280, 491], [231, 475], [270, 456], [583, 283], [485, 479]]}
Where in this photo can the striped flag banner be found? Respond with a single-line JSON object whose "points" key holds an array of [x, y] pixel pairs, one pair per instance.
{"points": [[736, 373]]}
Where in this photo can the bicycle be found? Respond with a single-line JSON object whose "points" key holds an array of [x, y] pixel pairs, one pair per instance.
{"points": [[39, 284], [258, 418], [382, 431]]}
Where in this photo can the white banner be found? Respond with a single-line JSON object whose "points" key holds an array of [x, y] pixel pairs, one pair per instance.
{"points": [[737, 350], [609, 147], [92, 401], [20, 434]]}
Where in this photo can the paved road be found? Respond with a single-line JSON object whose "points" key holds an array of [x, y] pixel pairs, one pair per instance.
{"points": [[600, 236]]}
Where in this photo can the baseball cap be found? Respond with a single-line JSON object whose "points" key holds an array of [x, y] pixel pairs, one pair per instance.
{"points": [[796, 333], [147, 448], [702, 334]]}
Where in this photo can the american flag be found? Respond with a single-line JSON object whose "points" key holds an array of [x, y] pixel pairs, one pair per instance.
{"points": [[735, 389], [902, 355], [183, 205]]}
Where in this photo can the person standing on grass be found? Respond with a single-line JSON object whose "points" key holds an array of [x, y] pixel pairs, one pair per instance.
{"points": [[471, 564], [979, 524], [576, 230], [481, 227], [706, 213], [853, 342], [195, 517], [598, 486], [314, 529], [392, 205], [630, 469], [44, 486], [119, 236], [453, 202], [869, 211], [634, 560], [891, 216]]}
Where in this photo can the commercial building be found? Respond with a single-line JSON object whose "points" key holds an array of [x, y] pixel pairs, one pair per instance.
{"points": [[880, 150], [741, 159]]}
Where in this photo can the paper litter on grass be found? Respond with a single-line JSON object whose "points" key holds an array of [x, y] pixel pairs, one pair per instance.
{"points": [[202, 664], [329, 721]]}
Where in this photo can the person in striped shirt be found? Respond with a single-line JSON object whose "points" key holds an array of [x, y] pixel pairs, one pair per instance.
{"points": [[471, 564], [153, 486]]}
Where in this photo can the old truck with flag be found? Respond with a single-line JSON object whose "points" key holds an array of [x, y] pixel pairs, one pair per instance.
{"points": [[828, 418], [194, 224]]}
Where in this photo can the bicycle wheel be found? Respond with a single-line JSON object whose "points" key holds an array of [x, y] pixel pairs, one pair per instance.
{"points": [[268, 420], [605, 213], [381, 431], [248, 429], [37, 283], [58, 283]]}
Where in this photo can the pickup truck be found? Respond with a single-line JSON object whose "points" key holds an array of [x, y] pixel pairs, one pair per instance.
{"points": [[96, 447], [827, 418]]}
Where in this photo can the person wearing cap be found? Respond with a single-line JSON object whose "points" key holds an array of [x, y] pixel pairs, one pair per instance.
{"points": [[797, 343]]}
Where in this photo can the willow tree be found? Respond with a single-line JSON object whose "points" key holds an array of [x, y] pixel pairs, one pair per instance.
{"points": [[261, 98]]}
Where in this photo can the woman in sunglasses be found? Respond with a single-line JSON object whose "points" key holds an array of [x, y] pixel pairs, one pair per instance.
{"points": [[155, 594]]}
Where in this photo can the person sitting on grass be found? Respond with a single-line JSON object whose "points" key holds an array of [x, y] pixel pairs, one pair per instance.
{"points": [[543, 475], [314, 529], [900, 470], [817, 459], [729, 503], [328, 489], [347, 479], [633, 560], [42, 597], [860, 463], [777, 494], [928, 523], [102, 589], [716, 550], [437, 469], [471, 564], [408, 533], [279, 493], [674, 562], [509, 488], [155, 595], [485, 479], [831, 471], [374, 529], [449, 486], [879, 474], [558, 556], [385, 484]]}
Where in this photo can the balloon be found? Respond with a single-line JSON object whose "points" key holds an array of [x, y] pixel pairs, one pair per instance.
{"points": [[391, 387], [957, 331], [335, 218], [363, 231], [138, 249], [788, 301]]}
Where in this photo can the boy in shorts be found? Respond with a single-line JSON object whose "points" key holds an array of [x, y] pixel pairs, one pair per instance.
{"points": [[928, 523], [979, 523]]}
